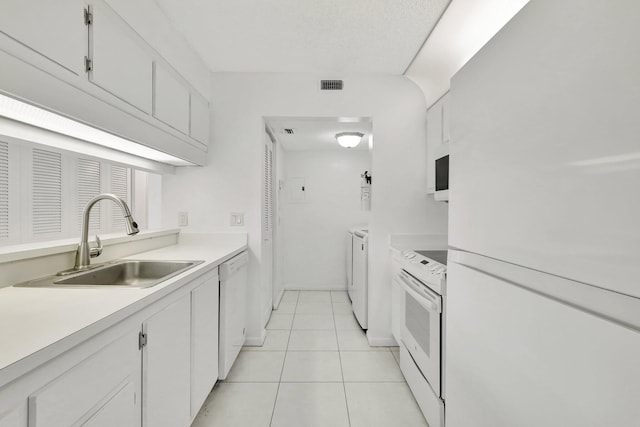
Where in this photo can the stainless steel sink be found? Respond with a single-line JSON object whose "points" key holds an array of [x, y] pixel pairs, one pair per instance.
{"points": [[127, 273]]}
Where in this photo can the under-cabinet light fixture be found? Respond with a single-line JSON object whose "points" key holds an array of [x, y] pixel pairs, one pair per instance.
{"points": [[39, 117], [349, 139]]}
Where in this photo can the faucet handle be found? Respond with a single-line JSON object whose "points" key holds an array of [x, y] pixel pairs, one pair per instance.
{"points": [[95, 252]]}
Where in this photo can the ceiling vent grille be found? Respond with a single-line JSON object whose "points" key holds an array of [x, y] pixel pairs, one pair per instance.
{"points": [[330, 84], [288, 131]]}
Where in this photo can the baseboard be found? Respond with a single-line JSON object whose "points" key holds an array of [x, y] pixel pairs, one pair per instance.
{"points": [[266, 315], [256, 341], [293, 287], [276, 302], [384, 341]]}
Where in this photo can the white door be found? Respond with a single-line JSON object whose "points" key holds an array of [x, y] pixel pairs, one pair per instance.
{"points": [[267, 230]]}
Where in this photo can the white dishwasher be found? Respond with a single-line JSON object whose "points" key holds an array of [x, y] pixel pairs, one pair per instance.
{"points": [[233, 311]]}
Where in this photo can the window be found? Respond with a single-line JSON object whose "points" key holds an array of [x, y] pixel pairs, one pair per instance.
{"points": [[43, 192], [4, 191]]}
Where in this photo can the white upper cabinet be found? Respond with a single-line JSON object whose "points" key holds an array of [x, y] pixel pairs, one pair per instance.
{"points": [[121, 63], [88, 60], [199, 119], [437, 134], [171, 99], [446, 119], [53, 28]]}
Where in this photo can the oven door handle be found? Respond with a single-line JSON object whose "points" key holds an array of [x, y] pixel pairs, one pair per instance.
{"points": [[429, 299]]}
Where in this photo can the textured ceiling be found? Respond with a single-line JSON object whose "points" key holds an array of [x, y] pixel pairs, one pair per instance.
{"points": [[317, 134], [320, 36]]}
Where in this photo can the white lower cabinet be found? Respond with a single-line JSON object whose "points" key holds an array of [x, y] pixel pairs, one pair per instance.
{"points": [[15, 416], [204, 340], [165, 365], [116, 412], [106, 383], [153, 369]]}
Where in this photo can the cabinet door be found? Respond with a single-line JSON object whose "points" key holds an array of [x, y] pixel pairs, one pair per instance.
{"points": [[84, 390], [165, 366], [14, 417], [434, 140], [122, 63], [53, 28], [446, 118], [204, 341], [199, 119], [116, 411], [171, 100]]}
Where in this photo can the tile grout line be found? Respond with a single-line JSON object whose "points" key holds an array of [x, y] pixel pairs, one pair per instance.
{"points": [[344, 387], [286, 350]]}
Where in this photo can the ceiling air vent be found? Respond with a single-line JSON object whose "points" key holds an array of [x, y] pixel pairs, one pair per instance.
{"points": [[288, 131], [330, 84]]}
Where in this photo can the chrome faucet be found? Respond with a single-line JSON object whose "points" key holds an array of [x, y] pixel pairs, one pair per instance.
{"points": [[85, 252]]}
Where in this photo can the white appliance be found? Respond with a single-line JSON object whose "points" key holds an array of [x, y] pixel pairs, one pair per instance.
{"points": [[422, 278], [441, 165], [349, 259], [233, 312], [358, 291], [543, 300]]}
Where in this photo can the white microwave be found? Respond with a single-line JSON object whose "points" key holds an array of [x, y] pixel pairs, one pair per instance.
{"points": [[442, 173]]}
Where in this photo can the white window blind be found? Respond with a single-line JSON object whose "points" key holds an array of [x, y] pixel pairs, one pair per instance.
{"points": [[43, 192], [120, 186], [267, 202], [46, 192], [88, 181], [4, 190]]}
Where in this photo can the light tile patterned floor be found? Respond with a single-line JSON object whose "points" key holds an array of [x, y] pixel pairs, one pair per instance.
{"points": [[315, 369]]}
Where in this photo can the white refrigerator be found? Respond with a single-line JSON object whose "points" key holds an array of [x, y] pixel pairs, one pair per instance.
{"points": [[543, 297]]}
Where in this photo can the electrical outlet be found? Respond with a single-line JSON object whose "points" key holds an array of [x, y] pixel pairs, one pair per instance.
{"points": [[237, 219], [183, 219]]}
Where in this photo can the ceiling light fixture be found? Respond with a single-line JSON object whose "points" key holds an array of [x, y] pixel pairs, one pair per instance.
{"points": [[349, 139]]}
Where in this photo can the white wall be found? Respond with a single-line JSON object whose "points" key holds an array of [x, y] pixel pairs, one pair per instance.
{"points": [[314, 230], [232, 181]]}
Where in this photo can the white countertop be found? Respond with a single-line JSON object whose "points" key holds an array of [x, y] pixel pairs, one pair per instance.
{"points": [[39, 323]]}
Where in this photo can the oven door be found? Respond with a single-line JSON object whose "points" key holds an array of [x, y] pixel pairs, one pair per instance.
{"points": [[421, 327]]}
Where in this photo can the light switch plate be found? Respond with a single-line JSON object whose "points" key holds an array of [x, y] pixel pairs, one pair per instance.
{"points": [[183, 219], [237, 219]]}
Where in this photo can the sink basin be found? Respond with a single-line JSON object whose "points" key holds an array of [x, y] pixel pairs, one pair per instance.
{"points": [[127, 273]]}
